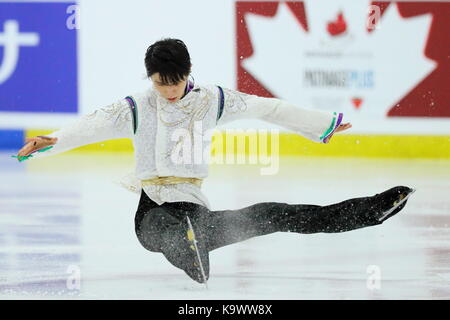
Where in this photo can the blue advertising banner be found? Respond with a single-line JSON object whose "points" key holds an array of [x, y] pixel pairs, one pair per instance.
{"points": [[38, 58]]}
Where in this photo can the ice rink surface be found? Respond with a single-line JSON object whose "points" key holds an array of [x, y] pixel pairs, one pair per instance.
{"points": [[67, 232]]}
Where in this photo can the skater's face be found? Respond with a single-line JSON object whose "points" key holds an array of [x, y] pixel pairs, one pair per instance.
{"points": [[171, 92]]}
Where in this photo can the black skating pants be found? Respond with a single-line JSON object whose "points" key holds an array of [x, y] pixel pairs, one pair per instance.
{"points": [[224, 227]]}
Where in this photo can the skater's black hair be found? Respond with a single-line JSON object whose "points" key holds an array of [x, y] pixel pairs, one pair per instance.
{"points": [[170, 58]]}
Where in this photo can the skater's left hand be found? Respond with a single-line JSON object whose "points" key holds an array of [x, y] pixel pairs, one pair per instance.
{"points": [[342, 127]]}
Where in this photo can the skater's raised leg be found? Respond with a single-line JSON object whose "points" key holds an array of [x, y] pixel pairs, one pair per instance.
{"points": [[166, 229], [230, 226]]}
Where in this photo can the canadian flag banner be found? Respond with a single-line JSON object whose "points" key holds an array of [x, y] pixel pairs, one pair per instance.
{"points": [[374, 60]]}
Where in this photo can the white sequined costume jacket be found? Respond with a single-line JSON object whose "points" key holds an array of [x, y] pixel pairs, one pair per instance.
{"points": [[160, 129]]}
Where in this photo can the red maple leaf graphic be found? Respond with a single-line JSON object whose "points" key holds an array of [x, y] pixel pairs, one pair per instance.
{"points": [[429, 98], [338, 26]]}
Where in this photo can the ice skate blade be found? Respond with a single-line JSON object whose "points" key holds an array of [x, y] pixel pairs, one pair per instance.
{"points": [[194, 241], [387, 213]]}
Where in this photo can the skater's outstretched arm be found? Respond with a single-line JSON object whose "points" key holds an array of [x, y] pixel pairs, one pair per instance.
{"points": [[110, 122], [315, 125]]}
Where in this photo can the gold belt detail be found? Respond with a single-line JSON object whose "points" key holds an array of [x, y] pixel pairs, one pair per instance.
{"points": [[171, 180]]}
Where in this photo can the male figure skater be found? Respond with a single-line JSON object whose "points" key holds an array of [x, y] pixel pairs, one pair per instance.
{"points": [[173, 215]]}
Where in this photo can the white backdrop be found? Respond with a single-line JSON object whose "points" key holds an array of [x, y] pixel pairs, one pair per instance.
{"points": [[113, 37]]}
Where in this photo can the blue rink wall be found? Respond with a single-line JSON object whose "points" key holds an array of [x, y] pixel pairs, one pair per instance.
{"points": [[11, 139]]}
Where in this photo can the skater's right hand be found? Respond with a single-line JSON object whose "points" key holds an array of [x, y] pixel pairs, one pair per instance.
{"points": [[34, 144]]}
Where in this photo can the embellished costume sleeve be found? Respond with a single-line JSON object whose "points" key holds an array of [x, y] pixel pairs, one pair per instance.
{"points": [[114, 121], [314, 125]]}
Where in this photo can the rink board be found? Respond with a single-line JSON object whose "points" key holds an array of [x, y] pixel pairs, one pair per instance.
{"points": [[401, 146]]}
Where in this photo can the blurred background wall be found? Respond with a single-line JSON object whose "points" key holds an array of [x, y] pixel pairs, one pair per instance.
{"points": [[386, 65]]}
